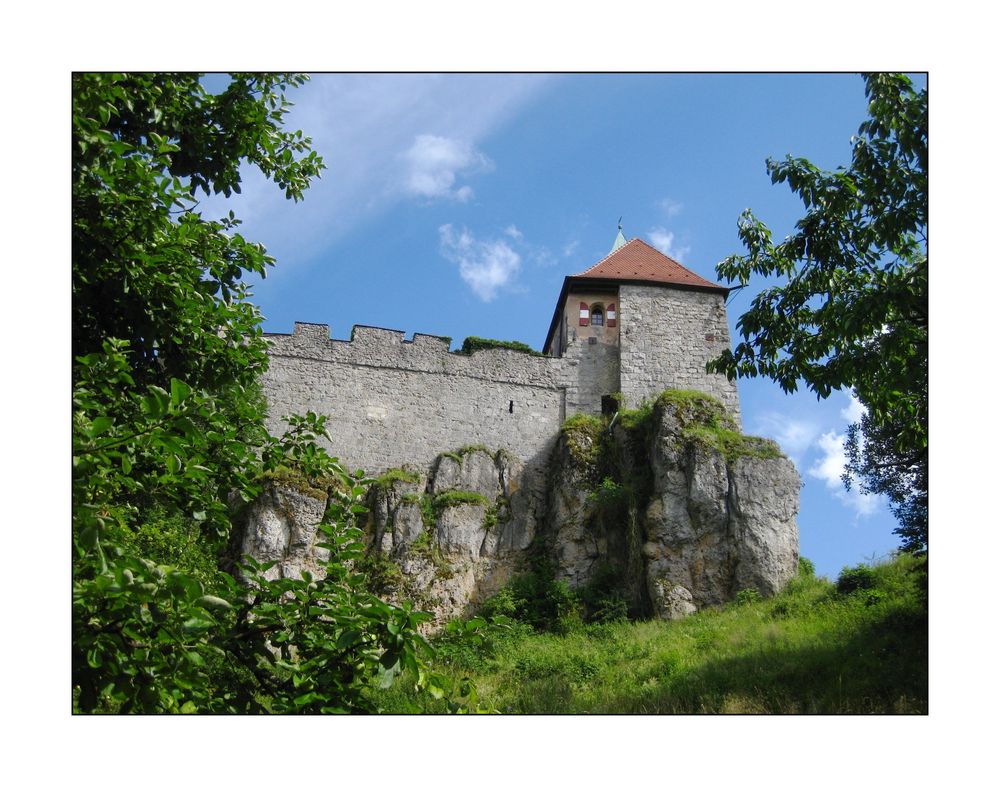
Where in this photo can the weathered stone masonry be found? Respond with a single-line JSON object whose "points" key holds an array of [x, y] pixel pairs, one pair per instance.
{"points": [[392, 402], [669, 335]]}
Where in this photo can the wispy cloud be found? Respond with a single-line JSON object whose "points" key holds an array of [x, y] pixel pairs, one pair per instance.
{"points": [[664, 240], [795, 436], [486, 266], [818, 449], [570, 248], [434, 164], [829, 468], [854, 410], [365, 126], [670, 207]]}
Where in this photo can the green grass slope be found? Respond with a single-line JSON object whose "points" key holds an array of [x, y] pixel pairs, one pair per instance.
{"points": [[857, 646]]}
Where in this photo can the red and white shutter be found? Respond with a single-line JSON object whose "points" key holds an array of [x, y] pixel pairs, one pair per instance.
{"points": [[584, 313], [612, 316]]}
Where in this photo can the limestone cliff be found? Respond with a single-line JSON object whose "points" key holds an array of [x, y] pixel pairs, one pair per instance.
{"points": [[670, 500], [687, 510]]}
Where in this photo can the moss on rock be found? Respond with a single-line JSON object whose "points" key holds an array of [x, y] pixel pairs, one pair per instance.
{"points": [[583, 437], [290, 478], [458, 497], [390, 477]]}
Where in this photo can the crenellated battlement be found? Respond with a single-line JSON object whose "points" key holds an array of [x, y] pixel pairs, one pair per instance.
{"points": [[386, 348]]}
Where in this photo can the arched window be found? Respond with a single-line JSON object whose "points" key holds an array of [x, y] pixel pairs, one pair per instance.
{"points": [[596, 315]]}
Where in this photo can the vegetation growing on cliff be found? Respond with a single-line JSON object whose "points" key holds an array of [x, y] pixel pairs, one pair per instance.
{"points": [[396, 474], [704, 422], [294, 478], [584, 434], [474, 343], [458, 497]]}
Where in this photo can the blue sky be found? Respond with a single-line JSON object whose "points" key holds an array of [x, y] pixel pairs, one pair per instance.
{"points": [[455, 205]]}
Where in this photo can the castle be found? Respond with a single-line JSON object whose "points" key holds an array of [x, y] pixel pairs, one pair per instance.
{"points": [[635, 323], [490, 466]]}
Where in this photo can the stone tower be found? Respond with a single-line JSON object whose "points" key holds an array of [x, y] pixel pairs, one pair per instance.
{"points": [[638, 322]]}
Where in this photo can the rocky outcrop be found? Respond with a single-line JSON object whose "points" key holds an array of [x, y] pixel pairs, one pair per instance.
{"points": [[672, 501], [714, 509], [451, 536], [281, 525]]}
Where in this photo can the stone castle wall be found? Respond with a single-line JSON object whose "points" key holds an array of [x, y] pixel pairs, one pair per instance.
{"points": [[667, 337], [392, 402]]}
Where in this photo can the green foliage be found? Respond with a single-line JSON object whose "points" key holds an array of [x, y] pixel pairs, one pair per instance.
{"points": [[536, 598], [637, 418], [427, 515], [382, 574], [473, 343], [584, 436], [704, 421], [639, 421], [175, 540], [806, 567], [602, 599], [293, 478], [807, 650], [852, 312], [696, 408], [861, 577], [609, 495], [168, 430], [732, 444], [396, 474], [460, 454], [748, 596], [458, 497], [147, 269], [470, 449]]}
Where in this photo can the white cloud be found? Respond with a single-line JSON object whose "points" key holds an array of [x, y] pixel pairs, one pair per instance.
{"points": [[486, 266], [570, 247], [538, 255], [434, 164], [854, 410], [663, 240], [795, 436], [829, 468], [363, 125], [670, 207]]}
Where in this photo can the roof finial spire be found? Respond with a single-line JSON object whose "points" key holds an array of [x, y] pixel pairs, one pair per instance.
{"points": [[619, 240]]}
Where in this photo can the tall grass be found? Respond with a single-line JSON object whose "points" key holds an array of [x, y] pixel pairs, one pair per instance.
{"points": [[812, 649]]}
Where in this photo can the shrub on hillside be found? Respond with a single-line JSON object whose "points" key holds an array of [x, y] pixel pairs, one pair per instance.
{"points": [[861, 577]]}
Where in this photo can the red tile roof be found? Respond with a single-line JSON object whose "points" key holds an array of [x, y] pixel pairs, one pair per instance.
{"points": [[638, 261]]}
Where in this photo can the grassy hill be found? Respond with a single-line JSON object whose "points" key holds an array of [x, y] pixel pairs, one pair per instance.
{"points": [[855, 646]]}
